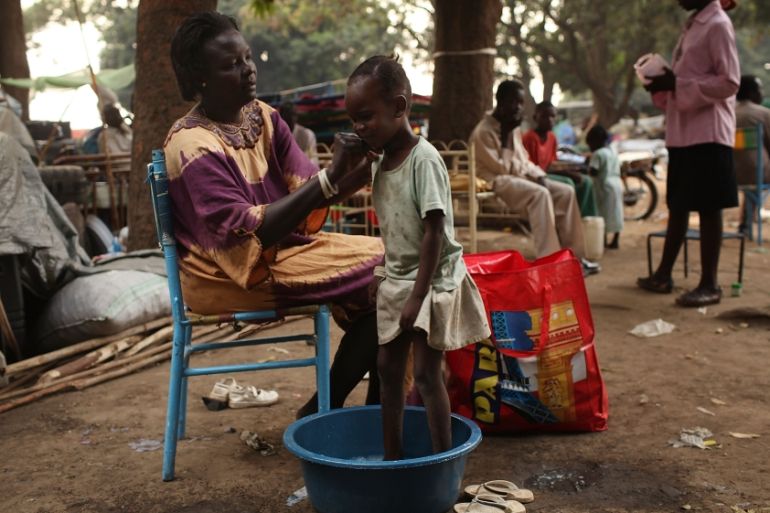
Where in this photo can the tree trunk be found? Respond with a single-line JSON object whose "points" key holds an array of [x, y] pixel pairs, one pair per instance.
{"points": [[13, 51], [462, 83], [157, 103]]}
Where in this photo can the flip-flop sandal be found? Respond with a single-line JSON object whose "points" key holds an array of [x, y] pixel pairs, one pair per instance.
{"points": [[505, 489], [486, 503]]}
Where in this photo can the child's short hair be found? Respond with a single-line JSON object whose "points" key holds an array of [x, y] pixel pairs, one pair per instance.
{"points": [[388, 72], [597, 136], [545, 104]]}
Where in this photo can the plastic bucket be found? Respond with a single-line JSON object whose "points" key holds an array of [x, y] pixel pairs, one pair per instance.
{"points": [[593, 232], [341, 456]]}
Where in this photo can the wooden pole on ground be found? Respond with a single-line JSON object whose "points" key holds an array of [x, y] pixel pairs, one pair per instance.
{"points": [[82, 347]]}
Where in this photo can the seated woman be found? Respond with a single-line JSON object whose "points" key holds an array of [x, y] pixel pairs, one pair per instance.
{"points": [[248, 204]]}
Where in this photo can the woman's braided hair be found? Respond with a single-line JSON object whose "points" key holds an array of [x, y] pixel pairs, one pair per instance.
{"points": [[187, 44]]}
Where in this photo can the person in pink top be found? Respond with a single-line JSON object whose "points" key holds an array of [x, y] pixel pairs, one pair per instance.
{"points": [[698, 96]]}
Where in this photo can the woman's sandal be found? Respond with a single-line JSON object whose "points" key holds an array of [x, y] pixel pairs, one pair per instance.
{"points": [[487, 503], [504, 489], [699, 297], [654, 285]]}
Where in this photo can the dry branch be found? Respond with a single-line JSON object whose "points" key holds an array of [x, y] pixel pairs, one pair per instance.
{"points": [[89, 360], [82, 347], [84, 383], [99, 369]]}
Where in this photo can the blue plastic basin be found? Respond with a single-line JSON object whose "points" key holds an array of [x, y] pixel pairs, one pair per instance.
{"points": [[341, 456]]}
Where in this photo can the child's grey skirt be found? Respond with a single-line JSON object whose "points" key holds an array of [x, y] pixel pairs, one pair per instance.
{"points": [[450, 319]]}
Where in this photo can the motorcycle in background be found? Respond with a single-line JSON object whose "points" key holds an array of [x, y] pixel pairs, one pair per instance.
{"points": [[638, 172], [640, 192]]}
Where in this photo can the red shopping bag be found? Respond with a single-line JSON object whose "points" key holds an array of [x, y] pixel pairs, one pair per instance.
{"points": [[538, 371]]}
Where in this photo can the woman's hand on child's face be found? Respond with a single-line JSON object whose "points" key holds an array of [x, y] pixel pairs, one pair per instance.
{"points": [[349, 151], [409, 313]]}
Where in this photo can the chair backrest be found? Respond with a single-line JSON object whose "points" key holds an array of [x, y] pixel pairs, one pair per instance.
{"points": [[456, 155], [748, 137], [752, 138], [164, 226]]}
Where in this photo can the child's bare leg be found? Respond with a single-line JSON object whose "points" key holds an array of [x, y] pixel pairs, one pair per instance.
{"points": [[430, 382], [391, 366]]}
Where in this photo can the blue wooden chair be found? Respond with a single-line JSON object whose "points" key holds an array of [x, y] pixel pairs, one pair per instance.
{"points": [[183, 348], [751, 139]]}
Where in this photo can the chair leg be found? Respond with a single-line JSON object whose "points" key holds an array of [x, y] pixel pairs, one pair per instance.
{"points": [[649, 255], [321, 322], [172, 411], [759, 222], [748, 215], [182, 422], [740, 260]]}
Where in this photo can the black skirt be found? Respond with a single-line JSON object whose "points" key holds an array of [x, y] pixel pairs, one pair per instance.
{"points": [[701, 178]]}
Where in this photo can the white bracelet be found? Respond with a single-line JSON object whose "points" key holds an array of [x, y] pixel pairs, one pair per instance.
{"points": [[327, 188]]}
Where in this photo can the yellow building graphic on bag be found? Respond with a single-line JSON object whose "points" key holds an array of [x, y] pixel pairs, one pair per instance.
{"points": [[539, 386]]}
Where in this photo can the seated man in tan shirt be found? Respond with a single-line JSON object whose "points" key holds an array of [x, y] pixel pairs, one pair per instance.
{"points": [[550, 207]]}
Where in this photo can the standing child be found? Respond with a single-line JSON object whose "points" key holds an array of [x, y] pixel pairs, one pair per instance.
{"points": [[605, 168], [426, 299]]}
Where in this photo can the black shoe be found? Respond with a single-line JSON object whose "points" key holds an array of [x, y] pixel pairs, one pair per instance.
{"points": [[652, 284]]}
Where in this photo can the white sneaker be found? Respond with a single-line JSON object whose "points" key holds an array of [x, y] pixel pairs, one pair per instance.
{"points": [[221, 389], [246, 397]]}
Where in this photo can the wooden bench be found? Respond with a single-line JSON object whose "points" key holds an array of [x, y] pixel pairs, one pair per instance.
{"points": [[105, 172], [470, 203], [473, 199]]}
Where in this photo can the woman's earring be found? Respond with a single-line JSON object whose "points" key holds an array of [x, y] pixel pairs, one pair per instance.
{"points": [[203, 85]]}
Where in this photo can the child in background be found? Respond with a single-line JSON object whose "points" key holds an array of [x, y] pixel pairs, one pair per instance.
{"points": [[605, 168], [540, 142], [426, 299], [541, 145]]}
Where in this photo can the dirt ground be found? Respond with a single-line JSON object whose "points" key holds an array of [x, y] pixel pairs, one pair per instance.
{"points": [[72, 453]]}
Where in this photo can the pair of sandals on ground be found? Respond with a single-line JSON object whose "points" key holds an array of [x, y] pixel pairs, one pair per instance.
{"points": [[495, 497], [227, 393]]}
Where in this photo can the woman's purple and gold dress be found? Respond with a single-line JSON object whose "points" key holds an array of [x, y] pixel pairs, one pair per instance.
{"points": [[221, 180]]}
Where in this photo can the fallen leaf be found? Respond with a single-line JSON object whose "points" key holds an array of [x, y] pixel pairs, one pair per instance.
{"points": [[686, 507], [719, 331], [743, 435], [704, 410], [278, 350], [718, 402], [643, 399]]}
